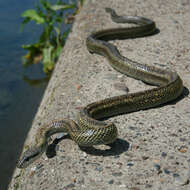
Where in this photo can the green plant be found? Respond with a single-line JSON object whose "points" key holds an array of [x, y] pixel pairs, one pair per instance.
{"points": [[48, 48]]}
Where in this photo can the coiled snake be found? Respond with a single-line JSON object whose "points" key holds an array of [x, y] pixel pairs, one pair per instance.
{"points": [[90, 131]]}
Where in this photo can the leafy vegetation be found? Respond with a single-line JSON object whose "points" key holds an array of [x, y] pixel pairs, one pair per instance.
{"points": [[52, 39]]}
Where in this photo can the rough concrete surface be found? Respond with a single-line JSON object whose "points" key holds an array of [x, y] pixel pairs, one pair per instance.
{"points": [[152, 151]]}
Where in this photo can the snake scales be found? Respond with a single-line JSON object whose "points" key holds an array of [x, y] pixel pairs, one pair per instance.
{"points": [[90, 131]]}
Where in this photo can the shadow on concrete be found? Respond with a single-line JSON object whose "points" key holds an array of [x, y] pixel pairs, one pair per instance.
{"points": [[115, 148], [118, 147]]}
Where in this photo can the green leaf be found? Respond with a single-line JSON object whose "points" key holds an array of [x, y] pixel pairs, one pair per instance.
{"points": [[45, 4], [57, 52], [33, 15], [47, 55], [61, 7], [57, 30], [33, 46], [64, 36]]}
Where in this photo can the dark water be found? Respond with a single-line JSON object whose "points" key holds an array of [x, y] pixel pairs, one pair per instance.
{"points": [[19, 100]]}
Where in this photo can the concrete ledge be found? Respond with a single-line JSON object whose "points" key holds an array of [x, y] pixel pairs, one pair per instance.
{"points": [[152, 151]]}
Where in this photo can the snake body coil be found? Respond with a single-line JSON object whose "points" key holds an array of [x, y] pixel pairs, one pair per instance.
{"points": [[90, 131]]}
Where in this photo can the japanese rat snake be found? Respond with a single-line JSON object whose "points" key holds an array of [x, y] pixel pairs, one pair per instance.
{"points": [[90, 130]]}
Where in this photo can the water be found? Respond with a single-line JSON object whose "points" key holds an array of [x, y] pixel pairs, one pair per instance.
{"points": [[19, 99]]}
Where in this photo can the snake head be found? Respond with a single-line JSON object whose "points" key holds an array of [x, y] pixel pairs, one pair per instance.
{"points": [[29, 156]]}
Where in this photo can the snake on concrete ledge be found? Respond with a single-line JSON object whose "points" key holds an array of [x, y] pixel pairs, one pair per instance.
{"points": [[89, 130]]}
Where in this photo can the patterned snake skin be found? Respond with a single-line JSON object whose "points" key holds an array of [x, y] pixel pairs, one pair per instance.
{"points": [[90, 130]]}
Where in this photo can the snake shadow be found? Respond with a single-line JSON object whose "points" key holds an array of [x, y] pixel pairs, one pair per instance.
{"points": [[115, 148]]}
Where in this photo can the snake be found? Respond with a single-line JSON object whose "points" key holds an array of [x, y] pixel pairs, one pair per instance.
{"points": [[91, 127]]}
